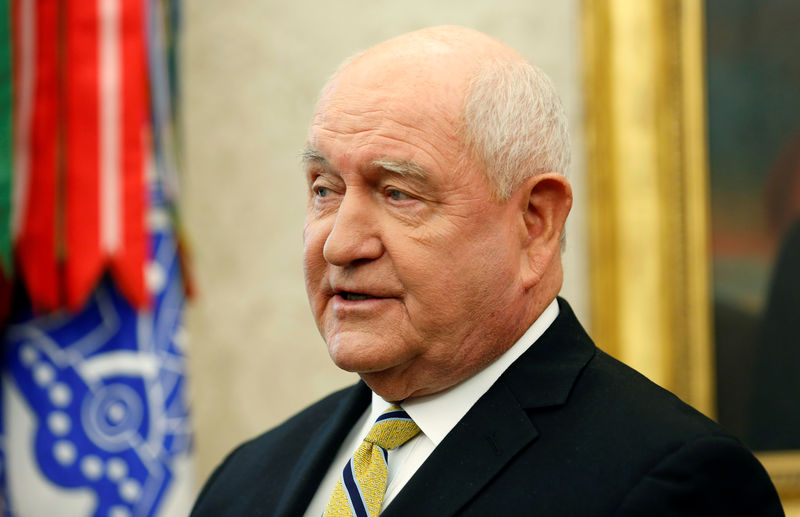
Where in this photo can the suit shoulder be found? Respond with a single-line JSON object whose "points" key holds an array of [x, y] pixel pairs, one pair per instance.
{"points": [[687, 461], [645, 448], [713, 475], [639, 402], [588, 381]]}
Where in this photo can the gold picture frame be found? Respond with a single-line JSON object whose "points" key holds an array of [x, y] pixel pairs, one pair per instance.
{"points": [[647, 170]]}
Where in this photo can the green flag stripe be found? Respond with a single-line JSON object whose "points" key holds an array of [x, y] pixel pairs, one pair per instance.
{"points": [[6, 138]]}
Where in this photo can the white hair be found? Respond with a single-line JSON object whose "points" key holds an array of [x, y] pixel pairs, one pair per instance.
{"points": [[514, 124]]}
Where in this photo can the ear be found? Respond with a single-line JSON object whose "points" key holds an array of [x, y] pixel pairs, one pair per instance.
{"points": [[545, 201]]}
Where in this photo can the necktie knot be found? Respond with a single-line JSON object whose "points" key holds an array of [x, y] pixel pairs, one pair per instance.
{"points": [[362, 485], [392, 429]]}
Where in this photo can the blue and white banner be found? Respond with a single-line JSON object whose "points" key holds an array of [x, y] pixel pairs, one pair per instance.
{"points": [[94, 407]]}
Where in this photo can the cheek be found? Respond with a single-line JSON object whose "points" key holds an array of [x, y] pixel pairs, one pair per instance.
{"points": [[314, 265], [314, 235], [442, 287], [474, 272]]}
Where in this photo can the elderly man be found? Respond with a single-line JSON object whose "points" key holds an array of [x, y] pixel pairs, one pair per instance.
{"points": [[432, 262]]}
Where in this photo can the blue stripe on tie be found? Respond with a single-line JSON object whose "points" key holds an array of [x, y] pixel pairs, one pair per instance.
{"points": [[398, 414], [385, 455], [353, 491]]}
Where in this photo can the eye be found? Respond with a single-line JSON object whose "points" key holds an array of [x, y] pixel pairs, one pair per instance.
{"points": [[322, 191], [397, 195]]}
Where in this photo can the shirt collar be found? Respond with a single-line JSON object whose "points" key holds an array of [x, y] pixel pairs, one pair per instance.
{"points": [[437, 414]]}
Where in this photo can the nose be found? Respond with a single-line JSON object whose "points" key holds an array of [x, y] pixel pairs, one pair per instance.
{"points": [[355, 234]]}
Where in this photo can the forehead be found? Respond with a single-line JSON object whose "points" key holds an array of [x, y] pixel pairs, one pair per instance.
{"points": [[375, 111]]}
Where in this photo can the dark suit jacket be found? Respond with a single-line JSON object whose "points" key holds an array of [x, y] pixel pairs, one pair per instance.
{"points": [[565, 431]]}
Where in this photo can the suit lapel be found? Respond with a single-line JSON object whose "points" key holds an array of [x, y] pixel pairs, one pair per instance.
{"points": [[500, 424], [488, 436], [313, 464], [545, 374]]}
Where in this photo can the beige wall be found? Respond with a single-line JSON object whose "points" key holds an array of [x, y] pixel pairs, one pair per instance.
{"points": [[251, 73]]}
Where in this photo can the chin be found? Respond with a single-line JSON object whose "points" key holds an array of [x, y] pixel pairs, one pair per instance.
{"points": [[363, 352], [381, 374], [388, 385], [360, 363]]}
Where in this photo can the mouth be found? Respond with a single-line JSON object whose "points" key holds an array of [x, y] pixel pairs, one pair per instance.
{"points": [[354, 297]]}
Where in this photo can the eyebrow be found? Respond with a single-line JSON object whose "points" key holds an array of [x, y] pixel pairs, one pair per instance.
{"points": [[406, 168], [309, 154]]}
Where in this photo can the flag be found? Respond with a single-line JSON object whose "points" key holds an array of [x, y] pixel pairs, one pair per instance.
{"points": [[94, 404], [93, 411]]}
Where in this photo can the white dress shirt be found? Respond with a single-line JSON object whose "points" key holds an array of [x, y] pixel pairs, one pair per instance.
{"points": [[436, 415]]}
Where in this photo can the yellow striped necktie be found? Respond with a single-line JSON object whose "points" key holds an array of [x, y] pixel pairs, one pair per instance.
{"points": [[362, 485]]}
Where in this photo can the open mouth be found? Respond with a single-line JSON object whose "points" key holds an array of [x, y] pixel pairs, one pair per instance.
{"points": [[354, 297]]}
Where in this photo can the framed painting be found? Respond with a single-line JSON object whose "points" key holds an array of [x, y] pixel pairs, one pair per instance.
{"points": [[693, 136]]}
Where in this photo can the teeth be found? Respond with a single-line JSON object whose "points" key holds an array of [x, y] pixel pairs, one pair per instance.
{"points": [[355, 297]]}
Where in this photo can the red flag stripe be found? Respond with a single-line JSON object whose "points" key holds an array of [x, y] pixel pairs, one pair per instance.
{"points": [[84, 258], [36, 250], [128, 262]]}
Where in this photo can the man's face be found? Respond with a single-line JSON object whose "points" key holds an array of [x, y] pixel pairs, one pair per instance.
{"points": [[411, 270]]}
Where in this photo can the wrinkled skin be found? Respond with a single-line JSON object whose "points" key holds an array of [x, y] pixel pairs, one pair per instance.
{"points": [[418, 279]]}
